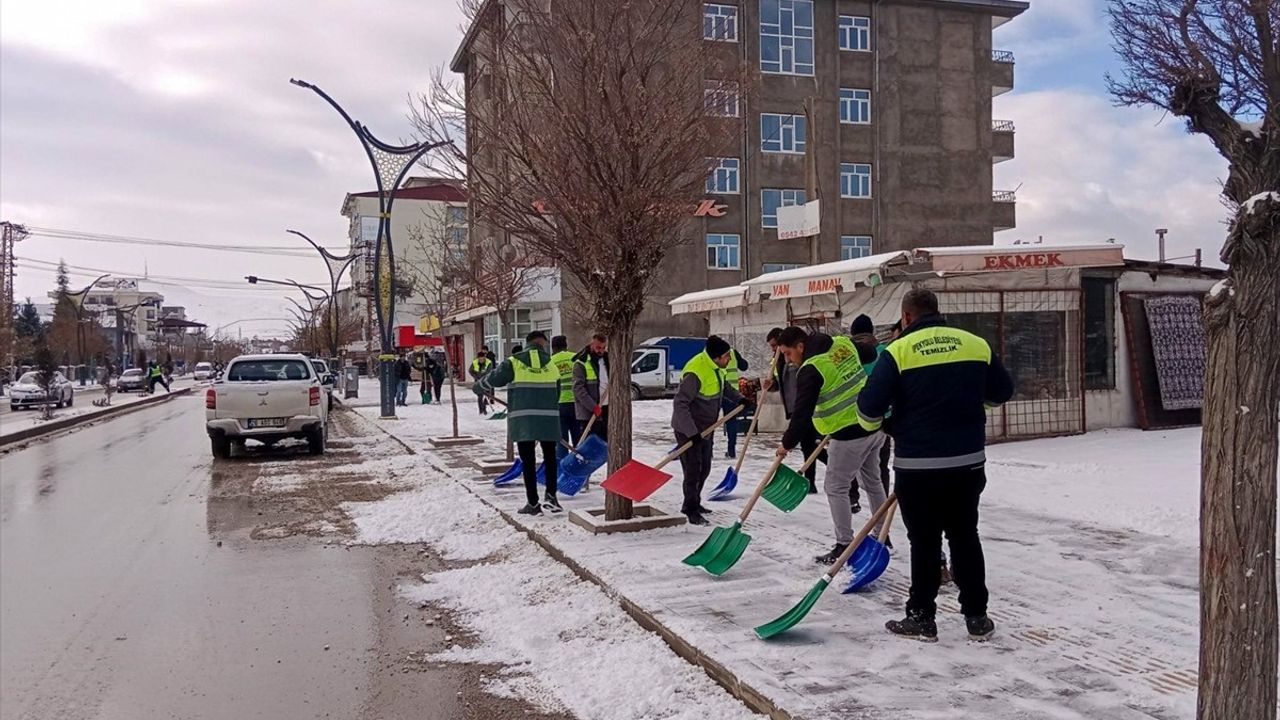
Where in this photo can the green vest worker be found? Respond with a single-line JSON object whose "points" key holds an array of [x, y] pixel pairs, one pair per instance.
{"points": [[827, 387], [533, 414], [562, 358], [479, 368], [939, 380], [697, 406]]}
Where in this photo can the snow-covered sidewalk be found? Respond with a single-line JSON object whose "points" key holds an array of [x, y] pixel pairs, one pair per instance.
{"points": [[1091, 556]]}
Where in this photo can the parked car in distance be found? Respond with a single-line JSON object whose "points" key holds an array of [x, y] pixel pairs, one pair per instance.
{"points": [[327, 379], [132, 380], [28, 393], [204, 371], [267, 398]]}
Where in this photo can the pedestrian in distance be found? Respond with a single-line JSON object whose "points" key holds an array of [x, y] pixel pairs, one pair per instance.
{"points": [[438, 367], [424, 388], [404, 373], [827, 387], [697, 406], [732, 375], [155, 376], [479, 368], [533, 415], [562, 357], [939, 381], [784, 383]]}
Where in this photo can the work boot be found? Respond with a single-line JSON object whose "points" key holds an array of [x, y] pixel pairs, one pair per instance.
{"points": [[855, 506], [914, 625], [832, 556], [705, 510], [944, 573], [813, 487], [695, 518], [980, 627], [551, 505], [530, 509]]}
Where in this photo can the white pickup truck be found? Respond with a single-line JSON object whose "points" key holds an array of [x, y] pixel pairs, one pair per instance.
{"points": [[267, 398]]}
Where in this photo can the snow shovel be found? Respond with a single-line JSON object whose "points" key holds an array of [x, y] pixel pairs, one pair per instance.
{"points": [[730, 481], [637, 481], [724, 548], [789, 488], [516, 470], [871, 558], [792, 617], [586, 458]]}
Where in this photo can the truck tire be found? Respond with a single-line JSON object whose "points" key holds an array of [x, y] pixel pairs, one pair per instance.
{"points": [[635, 392], [221, 447], [316, 442]]}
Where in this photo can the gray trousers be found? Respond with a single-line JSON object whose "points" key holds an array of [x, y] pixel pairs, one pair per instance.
{"points": [[849, 461]]}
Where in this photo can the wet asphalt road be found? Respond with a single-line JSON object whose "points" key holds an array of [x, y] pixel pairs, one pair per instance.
{"points": [[117, 600]]}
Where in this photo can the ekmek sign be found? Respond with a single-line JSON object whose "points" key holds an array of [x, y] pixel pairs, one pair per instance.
{"points": [[1019, 261]]}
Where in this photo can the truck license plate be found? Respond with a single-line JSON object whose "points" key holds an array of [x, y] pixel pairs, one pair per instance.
{"points": [[267, 422]]}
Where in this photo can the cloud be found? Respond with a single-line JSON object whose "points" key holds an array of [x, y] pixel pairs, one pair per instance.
{"points": [[1089, 171]]}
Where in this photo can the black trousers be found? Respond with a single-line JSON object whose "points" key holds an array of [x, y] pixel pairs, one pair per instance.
{"points": [[937, 501], [529, 461], [437, 383], [570, 428], [886, 453], [696, 466]]}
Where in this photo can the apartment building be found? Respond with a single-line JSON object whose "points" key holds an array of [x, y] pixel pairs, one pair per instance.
{"points": [[891, 100]]}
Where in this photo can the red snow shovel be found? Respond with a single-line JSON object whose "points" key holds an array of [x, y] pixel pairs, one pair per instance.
{"points": [[637, 481]]}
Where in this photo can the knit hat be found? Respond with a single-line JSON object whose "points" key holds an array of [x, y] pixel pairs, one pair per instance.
{"points": [[862, 325], [717, 347]]}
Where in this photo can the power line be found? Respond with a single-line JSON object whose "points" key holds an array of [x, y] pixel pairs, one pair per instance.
{"points": [[282, 250], [169, 280]]}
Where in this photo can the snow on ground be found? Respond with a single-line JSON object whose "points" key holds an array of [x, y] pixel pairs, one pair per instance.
{"points": [[1091, 545]]}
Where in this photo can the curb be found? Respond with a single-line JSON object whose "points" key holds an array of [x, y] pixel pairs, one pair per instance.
{"points": [[755, 700], [53, 426]]}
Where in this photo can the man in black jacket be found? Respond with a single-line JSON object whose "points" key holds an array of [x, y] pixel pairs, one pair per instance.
{"points": [[784, 383], [938, 381]]}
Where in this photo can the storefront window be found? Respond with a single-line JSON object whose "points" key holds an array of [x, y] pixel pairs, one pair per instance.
{"points": [[1099, 333]]}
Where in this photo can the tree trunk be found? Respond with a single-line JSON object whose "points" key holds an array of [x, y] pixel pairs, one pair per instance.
{"points": [[503, 346], [1238, 473], [621, 343], [453, 398]]}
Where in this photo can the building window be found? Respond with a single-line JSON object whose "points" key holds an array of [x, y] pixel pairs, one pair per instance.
{"points": [[772, 199], [724, 179], [514, 332], [786, 37], [855, 106], [854, 246], [720, 22], [721, 98], [1099, 333], [855, 33], [368, 229], [855, 180], [782, 133], [771, 267], [457, 216], [722, 251]]}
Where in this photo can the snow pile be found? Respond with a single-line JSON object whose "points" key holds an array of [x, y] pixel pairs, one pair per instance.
{"points": [[1223, 285], [1252, 202], [1253, 127]]}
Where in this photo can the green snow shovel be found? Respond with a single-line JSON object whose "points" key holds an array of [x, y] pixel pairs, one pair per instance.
{"points": [[725, 546], [792, 617], [500, 414], [789, 488]]}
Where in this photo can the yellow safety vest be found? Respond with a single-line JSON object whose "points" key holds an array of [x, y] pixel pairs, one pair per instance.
{"points": [[710, 376], [563, 361], [842, 380], [731, 370], [533, 375], [480, 366]]}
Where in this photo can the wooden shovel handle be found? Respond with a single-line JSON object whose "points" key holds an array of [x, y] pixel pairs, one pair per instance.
{"points": [[862, 535], [888, 520], [755, 419], [755, 495], [587, 430], [705, 433]]}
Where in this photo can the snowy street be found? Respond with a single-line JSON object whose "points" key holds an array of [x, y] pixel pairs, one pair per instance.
{"points": [[1091, 545]]}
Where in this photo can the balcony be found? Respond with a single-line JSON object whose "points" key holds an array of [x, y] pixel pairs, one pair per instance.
{"points": [[1004, 208], [1001, 72], [1001, 140]]}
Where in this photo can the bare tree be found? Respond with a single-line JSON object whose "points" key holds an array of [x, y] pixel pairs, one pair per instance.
{"points": [[587, 140], [1216, 63]]}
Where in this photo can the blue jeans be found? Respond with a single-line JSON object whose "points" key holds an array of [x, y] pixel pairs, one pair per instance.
{"points": [[402, 392]]}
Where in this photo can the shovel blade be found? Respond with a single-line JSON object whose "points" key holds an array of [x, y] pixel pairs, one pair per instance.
{"points": [[726, 486], [730, 555], [541, 474], [712, 546], [635, 481], [591, 454], [500, 415], [792, 617], [868, 563], [512, 473], [787, 489]]}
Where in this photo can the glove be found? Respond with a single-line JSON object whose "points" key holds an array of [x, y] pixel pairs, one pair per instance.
{"points": [[596, 411]]}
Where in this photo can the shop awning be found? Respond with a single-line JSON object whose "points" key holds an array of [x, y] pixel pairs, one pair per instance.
{"points": [[471, 314], [823, 279], [997, 258], [708, 300]]}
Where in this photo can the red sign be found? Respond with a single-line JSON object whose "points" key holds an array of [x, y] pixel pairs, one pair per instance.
{"points": [[710, 208], [825, 285], [1019, 261], [407, 337]]}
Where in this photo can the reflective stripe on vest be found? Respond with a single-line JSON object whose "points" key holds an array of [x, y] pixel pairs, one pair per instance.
{"points": [[731, 370], [710, 376], [938, 345], [563, 361], [533, 375], [842, 380]]}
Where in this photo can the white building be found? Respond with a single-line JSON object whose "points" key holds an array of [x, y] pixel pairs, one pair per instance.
{"points": [[127, 309]]}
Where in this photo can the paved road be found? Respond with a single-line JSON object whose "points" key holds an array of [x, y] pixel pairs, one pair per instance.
{"points": [[131, 587], [89, 393]]}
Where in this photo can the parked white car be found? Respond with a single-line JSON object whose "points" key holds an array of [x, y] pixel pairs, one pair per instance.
{"points": [[204, 371], [28, 393], [326, 379], [267, 398]]}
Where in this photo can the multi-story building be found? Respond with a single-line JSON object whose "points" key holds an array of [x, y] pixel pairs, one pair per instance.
{"points": [[891, 100], [128, 314]]}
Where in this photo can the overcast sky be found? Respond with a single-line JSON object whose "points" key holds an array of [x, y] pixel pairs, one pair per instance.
{"points": [[175, 119]]}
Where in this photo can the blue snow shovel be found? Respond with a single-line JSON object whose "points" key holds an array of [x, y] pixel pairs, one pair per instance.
{"points": [[724, 490], [517, 470], [581, 461], [871, 558]]}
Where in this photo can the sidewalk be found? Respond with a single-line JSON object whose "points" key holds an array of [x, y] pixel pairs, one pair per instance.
{"points": [[1091, 549]]}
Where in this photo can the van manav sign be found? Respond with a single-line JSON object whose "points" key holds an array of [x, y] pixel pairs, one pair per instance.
{"points": [[1023, 257]]}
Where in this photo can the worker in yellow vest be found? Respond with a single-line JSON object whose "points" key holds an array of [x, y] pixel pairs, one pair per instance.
{"points": [[479, 368], [702, 394], [732, 373], [562, 358]]}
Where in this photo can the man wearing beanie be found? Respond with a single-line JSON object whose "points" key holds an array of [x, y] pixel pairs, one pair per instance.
{"points": [[697, 406]]}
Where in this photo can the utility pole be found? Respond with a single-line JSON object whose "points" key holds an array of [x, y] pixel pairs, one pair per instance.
{"points": [[10, 235]]}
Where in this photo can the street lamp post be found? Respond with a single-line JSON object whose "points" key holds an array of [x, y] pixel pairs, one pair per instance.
{"points": [[337, 265], [390, 165]]}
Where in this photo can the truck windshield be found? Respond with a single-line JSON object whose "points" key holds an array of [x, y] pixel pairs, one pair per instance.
{"points": [[259, 370]]}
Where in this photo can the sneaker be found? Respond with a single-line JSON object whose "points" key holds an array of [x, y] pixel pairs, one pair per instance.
{"points": [[914, 625], [705, 510], [857, 507], [696, 519], [530, 510], [813, 488], [729, 455], [832, 556], [980, 627], [551, 505]]}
